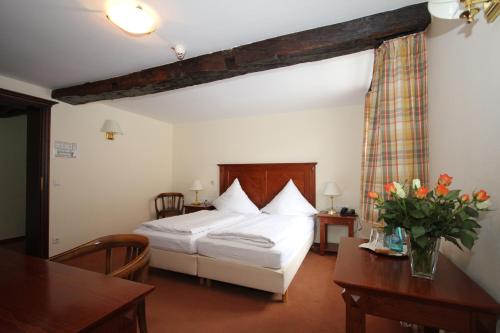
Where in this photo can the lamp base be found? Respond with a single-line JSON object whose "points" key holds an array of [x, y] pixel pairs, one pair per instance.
{"points": [[196, 203], [332, 212]]}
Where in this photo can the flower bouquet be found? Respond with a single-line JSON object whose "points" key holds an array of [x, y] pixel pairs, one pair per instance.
{"points": [[429, 215]]}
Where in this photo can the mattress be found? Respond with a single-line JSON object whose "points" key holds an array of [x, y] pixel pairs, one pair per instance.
{"points": [[274, 257], [170, 242]]}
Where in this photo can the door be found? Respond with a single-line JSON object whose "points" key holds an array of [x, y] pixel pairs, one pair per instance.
{"points": [[38, 113]]}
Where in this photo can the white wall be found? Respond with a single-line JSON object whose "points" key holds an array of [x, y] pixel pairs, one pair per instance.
{"points": [[12, 177], [109, 187], [464, 111], [333, 138]]}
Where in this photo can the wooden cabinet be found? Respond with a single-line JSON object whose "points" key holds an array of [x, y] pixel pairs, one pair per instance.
{"points": [[194, 208]]}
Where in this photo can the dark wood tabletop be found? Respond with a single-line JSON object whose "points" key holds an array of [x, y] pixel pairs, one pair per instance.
{"points": [[42, 296], [360, 268]]}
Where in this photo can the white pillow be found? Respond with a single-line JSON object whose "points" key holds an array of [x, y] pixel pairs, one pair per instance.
{"points": [[235, 200], [290, 202]]}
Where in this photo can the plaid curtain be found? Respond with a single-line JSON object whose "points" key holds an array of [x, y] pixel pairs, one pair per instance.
{"points": [[395, 133]]}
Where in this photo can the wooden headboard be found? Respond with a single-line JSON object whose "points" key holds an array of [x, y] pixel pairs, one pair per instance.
{"points": [[262, 182]]}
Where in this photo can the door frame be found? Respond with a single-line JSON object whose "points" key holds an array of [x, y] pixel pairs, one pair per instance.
{"points": [[38, 113]]}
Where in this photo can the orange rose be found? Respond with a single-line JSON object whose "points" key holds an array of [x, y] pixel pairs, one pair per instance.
{"points": [[422, 192], [441, 190], [444, 179], [373, 195], [481, 196], [465, 198], [390, 188]]}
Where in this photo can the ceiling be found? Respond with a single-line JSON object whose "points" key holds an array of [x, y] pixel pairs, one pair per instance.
{"points": [[58, 43]]}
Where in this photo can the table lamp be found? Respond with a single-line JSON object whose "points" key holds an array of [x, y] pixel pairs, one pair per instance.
{"points": [[196, 187], [332, 190]]}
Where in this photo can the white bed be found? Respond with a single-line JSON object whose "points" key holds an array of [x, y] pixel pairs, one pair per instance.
{"points": [[298, 232], [177, 251], [270, 269]]}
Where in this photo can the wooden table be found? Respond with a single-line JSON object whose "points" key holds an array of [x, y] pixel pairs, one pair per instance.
{"points": [[42, 296], [382, 286], [191, 208], [325, 220]]}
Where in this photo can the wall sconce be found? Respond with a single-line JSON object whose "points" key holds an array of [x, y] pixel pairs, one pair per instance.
{"points": [[464, 9], [111, 127]]}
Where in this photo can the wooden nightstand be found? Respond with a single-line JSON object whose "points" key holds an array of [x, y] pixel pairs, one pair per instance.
{"points": [[324, 220], [190, 208]]}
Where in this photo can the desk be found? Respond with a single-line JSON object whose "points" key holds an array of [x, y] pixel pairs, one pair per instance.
{"points": [[42, 296], [382, 286]]}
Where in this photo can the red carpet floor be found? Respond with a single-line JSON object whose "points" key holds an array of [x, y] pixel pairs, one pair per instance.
{"points": [[181, 304]]}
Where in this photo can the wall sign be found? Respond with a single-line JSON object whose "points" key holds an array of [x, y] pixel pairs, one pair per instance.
{"points": [[65, 149]]}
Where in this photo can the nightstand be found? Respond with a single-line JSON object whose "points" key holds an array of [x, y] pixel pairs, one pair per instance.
{"points": [[190, 208], [324, 220]]}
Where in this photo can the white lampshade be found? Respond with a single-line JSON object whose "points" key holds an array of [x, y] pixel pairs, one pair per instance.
{"points": [[332, 189], [111, 126], [445, 9], [196, 186], [131, 16]]}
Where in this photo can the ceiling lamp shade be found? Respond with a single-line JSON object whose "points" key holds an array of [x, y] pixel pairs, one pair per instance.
{"points": [[464, 9], [131, 17], [445, 9]]}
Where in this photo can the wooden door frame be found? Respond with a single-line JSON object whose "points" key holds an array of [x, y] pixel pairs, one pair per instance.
{"points": [[38, 113]]}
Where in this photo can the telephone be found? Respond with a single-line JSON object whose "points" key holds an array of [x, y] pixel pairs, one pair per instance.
{"points": [[345, 211]]}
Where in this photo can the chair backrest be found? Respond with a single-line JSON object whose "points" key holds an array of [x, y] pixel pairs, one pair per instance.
{"points": [[169, 204], [136, 261]]}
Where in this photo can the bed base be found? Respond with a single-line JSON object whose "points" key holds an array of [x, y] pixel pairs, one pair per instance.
{"points": [[267, 279], [207, 269], [174, 261]]}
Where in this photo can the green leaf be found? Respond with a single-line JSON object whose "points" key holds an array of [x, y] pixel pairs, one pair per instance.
{"points": [[417, 231], [452, 195], [417, 214], [467, 240], [388, 230], [471, 212], [422, 241], [453, 240]]}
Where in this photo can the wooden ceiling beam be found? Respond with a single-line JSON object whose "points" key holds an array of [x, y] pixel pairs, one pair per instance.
{"points": [[306, 46]]}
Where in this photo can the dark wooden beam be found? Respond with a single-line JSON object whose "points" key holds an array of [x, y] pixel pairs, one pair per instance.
{"points": [[310, 45]]}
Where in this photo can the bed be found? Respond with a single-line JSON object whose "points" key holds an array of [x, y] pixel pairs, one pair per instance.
{"points": [[261, 182], [270, 270], [177, 251]]}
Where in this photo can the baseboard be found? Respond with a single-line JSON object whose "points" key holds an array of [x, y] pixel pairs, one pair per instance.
{"points": [[12, 240]]}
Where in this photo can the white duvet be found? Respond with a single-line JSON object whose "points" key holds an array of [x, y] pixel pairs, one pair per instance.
{"points": [[262, 230], [190, 224]]}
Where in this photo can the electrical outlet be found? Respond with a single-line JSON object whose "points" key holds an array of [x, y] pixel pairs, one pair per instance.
{"points": [[55, 240], [212, 183]]}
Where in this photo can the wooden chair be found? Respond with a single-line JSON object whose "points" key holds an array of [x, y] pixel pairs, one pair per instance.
{"points": [[135, 265], [172, 204]]}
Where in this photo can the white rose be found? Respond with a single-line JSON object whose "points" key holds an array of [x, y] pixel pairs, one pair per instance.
{"points": [[416, 183], [483, 204], [400, 192]]}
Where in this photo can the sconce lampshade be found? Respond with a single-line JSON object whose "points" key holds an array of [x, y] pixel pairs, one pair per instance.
{"points": [[197, 186], [111, 127], [332, 189]]}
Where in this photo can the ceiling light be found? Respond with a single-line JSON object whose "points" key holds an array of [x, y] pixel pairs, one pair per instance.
{"points": [[131, 17], [464, 9]]}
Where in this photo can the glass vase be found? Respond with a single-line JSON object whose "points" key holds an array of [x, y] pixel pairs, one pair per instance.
{"points": [[423, 260]]}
